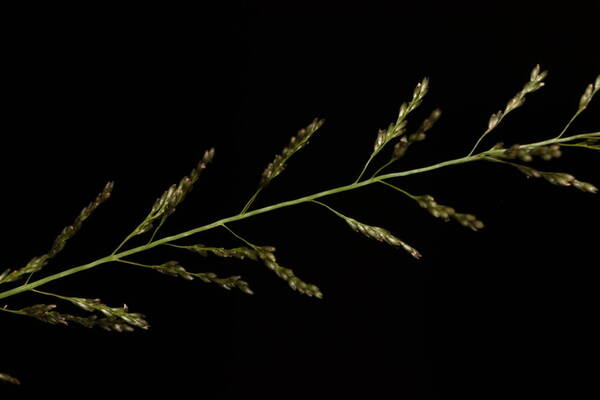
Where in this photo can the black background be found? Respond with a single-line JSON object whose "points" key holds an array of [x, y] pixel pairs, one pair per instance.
{"points": [[137, 94]]}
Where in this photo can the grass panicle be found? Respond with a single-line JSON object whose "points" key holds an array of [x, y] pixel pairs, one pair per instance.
{"points": [[266, 254], [590, 90], [374, 232], [420, 135], [406, 141], [38, 262], [115, 318], [555, 178], [446, 213], [166, 204], [120, 319], [536, 82], [397, 128], [112, 319], [174, 268], [296, 143], [236, 252], [278, 165]]}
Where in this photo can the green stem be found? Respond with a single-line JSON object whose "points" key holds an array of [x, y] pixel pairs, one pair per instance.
{"points": [[339, 214], [12, 311], [249, 203], [238, 217], [366, 166], [51, 294], [239, 237], [162, 221], [479, 141], [398, 189], [383, 167], [123, 242], [135, 263], [569, 123]]}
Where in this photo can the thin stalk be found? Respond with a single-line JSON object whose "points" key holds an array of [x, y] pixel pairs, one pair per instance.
{"points": [[249, 203], [125, 241], [398, 189], [134, 263], [384, 166], [300, 200], [365, 167], [51, 294], [162, 221], [339, 214], [479, 141], [12, 311], [238, 236], [573, 118]]}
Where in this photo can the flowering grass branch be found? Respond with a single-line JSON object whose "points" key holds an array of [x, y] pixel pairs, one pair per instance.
{"points": [[120, 319]]}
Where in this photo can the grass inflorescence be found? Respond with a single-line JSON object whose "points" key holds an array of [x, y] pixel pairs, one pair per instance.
{"points": [[120, 319]]}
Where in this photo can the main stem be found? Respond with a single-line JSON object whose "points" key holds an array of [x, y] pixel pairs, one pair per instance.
{"points": [[238, 217]]}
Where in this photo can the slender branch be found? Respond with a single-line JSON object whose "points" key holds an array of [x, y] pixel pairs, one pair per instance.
{"points": [[238, 236], [573, 118], [384, 166], [249, 203], [11, 311], [479, 141], [134, 263], [162, 221], [398, 189], [366, 166], [339, 214], [238, 217], [125, 240], [50, 294]]}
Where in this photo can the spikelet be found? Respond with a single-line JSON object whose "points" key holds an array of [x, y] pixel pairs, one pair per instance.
{"points": [[9, 378], [297, 142], [588, 94], [405, 141]]}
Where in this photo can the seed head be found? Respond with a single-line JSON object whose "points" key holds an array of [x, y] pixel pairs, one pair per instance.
{"points": [[10, 379], [381, 235], [446, 213], [296, 143]]}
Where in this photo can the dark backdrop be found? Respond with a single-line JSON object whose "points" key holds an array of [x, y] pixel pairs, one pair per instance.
{"points": [[136, 94]]}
